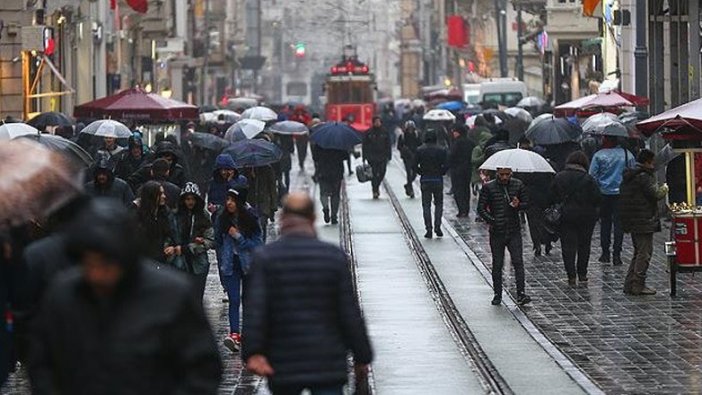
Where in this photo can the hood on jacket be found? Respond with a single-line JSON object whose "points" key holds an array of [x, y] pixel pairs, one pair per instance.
{"points": [[166, 147], [107, 227], [135, 142], [224, 161], [191, 189], [104, 166]]}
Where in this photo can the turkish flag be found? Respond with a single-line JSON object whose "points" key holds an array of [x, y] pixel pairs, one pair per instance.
{"points": [[456, 31], [140, 6], [589, 6]]}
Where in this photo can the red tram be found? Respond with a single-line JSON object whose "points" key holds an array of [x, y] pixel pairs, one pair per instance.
{"points": [[350, 93]]}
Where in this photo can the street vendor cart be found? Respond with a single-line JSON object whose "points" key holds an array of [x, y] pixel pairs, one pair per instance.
{"points": [[682, 127]]}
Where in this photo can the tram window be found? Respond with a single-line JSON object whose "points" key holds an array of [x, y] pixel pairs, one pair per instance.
{"points": [[296, 89], [349, 92]]}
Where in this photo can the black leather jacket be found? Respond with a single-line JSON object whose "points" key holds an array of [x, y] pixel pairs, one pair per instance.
{"points": [[494, 206]]}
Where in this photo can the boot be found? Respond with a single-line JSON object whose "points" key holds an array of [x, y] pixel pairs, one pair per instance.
{"points": [[604, 258], [617, 260], [326, 216]]}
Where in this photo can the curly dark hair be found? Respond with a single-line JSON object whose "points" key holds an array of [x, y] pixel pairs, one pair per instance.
{"points": [[245, 220]]}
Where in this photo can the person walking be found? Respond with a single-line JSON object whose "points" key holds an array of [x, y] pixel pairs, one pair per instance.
{"points": [[330, 176], [607, 168], [432, 165], [115, 324], [639, 212], [298, 334], [154, 223], [407, 144], [105, 184], [262, 195], [377, 151], [237, 234], [225, 176], [195, 235], [580, 197], [460, 166], [498, 205]]}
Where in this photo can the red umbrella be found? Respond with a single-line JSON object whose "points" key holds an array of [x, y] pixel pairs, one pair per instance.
{"points": [[683, 121], [608, 101], [138, 105]]}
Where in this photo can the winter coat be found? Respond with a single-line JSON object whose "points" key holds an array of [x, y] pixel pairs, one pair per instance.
{"points": [[178, 174], [537, 188], [607, 168], [217, 192], [263, 191], [557, 154], [377, 146], [191, 225], [481, 135], [497, 146], [407, 144], [638, 201], [156, 233], [330, 163], [286, 145], [494, 206], [126, 164], [431, 163], [230, 250], [116, 188], [302, 314], [579, 194], [151, 337], [459, 158]]}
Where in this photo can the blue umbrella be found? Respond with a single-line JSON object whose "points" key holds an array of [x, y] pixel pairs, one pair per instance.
{"points": [[451, 106], [254, 153], [335, 135]]}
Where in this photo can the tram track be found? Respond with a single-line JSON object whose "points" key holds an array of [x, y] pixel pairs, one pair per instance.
{"points": [[469, 346]]}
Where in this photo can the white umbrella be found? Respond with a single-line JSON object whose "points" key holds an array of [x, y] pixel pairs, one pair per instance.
{"points": [[244, 129], [227, 115], [439, 115], [519, 160], [520, 113], [108, 128], [289, 128], [8, 131], [260, 113], [598, 122]]}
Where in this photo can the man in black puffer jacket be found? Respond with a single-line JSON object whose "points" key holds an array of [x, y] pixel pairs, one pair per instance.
{"points": [[499, 205], [301, 316], [638, 207]]}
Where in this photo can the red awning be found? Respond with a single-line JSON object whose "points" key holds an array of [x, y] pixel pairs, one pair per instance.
{"points": [[137, 105], [602, 101], [685, 120]]}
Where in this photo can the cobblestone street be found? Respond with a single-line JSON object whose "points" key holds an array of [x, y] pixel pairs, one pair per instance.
{"points": [[626, 344]]}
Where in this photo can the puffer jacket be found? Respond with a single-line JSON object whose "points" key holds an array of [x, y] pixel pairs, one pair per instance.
{"points": [[638, 201], [579, 193], [301, 312], [494, 206]]}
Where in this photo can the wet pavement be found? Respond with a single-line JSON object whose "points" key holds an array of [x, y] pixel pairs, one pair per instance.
{"points": [[626, 344]]}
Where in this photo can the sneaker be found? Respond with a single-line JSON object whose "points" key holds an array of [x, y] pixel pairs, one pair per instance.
{"points": [[617, 260], [571, 281], [428, 235], [523, 299], [644, 291], [334, 220], [438, 232], [497, 300], [326, 216], [604, 258], [233, 342], [583, 279]]}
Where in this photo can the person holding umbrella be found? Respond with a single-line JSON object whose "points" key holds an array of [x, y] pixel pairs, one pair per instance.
{"points": [[580, 197], [377, 151]]}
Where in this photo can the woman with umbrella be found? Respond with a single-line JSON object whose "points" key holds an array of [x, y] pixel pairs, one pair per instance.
{"points": [[579, 195]]}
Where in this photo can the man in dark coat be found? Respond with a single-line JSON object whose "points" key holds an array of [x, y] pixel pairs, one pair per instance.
{"points": [[431, 166], [132, 159], [377, 151], [639, 196], [262, 194], [115, 323], [460, 166], [169, 152], [298, 333], [159, 171], [105, 184], [330, 173], [499, 205], [407, 144]]}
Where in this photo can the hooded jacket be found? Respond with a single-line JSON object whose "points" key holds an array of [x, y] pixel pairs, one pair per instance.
{"points": [[148, 336], [115, 188], [177, 174], [191, 225], [217, 191], [638, 201]]}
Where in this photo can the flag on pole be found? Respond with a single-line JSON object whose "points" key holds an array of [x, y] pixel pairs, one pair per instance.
{"points": [[589, 7]]}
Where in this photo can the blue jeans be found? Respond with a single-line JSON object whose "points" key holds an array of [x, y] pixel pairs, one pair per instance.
{"points": [[314, 390], [609, 218], [233, 285]]}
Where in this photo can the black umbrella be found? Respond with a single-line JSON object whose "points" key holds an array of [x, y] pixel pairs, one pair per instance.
{"points": [[67, 147], [552, 131], [254, 153], [503, 116], [208, 141], [516, 128], [45, 119]]}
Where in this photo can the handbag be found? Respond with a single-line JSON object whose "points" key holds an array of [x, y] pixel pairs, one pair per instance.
{"points": [[364, 172], [553, 215]]}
